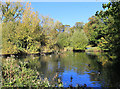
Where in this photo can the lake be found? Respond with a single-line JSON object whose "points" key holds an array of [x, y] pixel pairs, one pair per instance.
{"points": [[73, 69]]}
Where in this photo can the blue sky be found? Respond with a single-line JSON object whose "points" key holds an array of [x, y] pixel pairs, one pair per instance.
{"points": [[68, 12]]}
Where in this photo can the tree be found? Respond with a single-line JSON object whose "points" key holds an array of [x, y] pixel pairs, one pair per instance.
{"points": [[11, 14], [79, 40], [11, 11], [8, 45], [28, 31], [59, 26], [94, 30], [79, 25], [111, 17], [63, 40], [50, 29], [22, 35]]}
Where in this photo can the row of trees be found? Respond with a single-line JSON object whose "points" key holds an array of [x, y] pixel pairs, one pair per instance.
{"points": [[23, 30]]}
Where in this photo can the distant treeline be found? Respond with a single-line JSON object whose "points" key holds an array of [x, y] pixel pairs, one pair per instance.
{"points": [[24, 30]]}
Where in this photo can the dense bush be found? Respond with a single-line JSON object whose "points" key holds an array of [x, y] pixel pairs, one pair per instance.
{"points": [[18, 75]]}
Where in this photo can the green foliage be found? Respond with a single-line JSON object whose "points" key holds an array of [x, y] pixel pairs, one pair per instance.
{"points": [[8, 38], [23, 30], [17, 75], [111, 17], [73, 37], [63, 40], [49, 29], [79, 25], [22, 34], [11, 11], [79, 40], [94, 30], [103, 30], [28, 31]]}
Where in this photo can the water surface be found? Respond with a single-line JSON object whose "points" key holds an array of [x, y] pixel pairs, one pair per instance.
{"points": [[76, 68]]}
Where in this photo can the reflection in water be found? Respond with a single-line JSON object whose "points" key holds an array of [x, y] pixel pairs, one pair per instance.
{"points": [[76, 69]]}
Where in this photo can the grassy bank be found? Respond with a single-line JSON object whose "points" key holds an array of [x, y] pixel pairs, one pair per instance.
{"points": [[93, 49]]}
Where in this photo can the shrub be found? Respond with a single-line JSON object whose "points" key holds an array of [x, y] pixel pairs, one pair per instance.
{"points": [[18, 75]]}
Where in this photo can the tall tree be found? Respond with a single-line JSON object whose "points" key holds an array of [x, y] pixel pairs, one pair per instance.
{"points": [[111, 17], [28, 31], [11, 14]]}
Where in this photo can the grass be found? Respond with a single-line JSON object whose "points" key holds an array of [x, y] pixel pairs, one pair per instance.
{"points": [[93, 49]]}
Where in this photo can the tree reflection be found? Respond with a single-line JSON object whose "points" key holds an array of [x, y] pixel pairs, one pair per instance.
{"points": [[77, 68]]}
